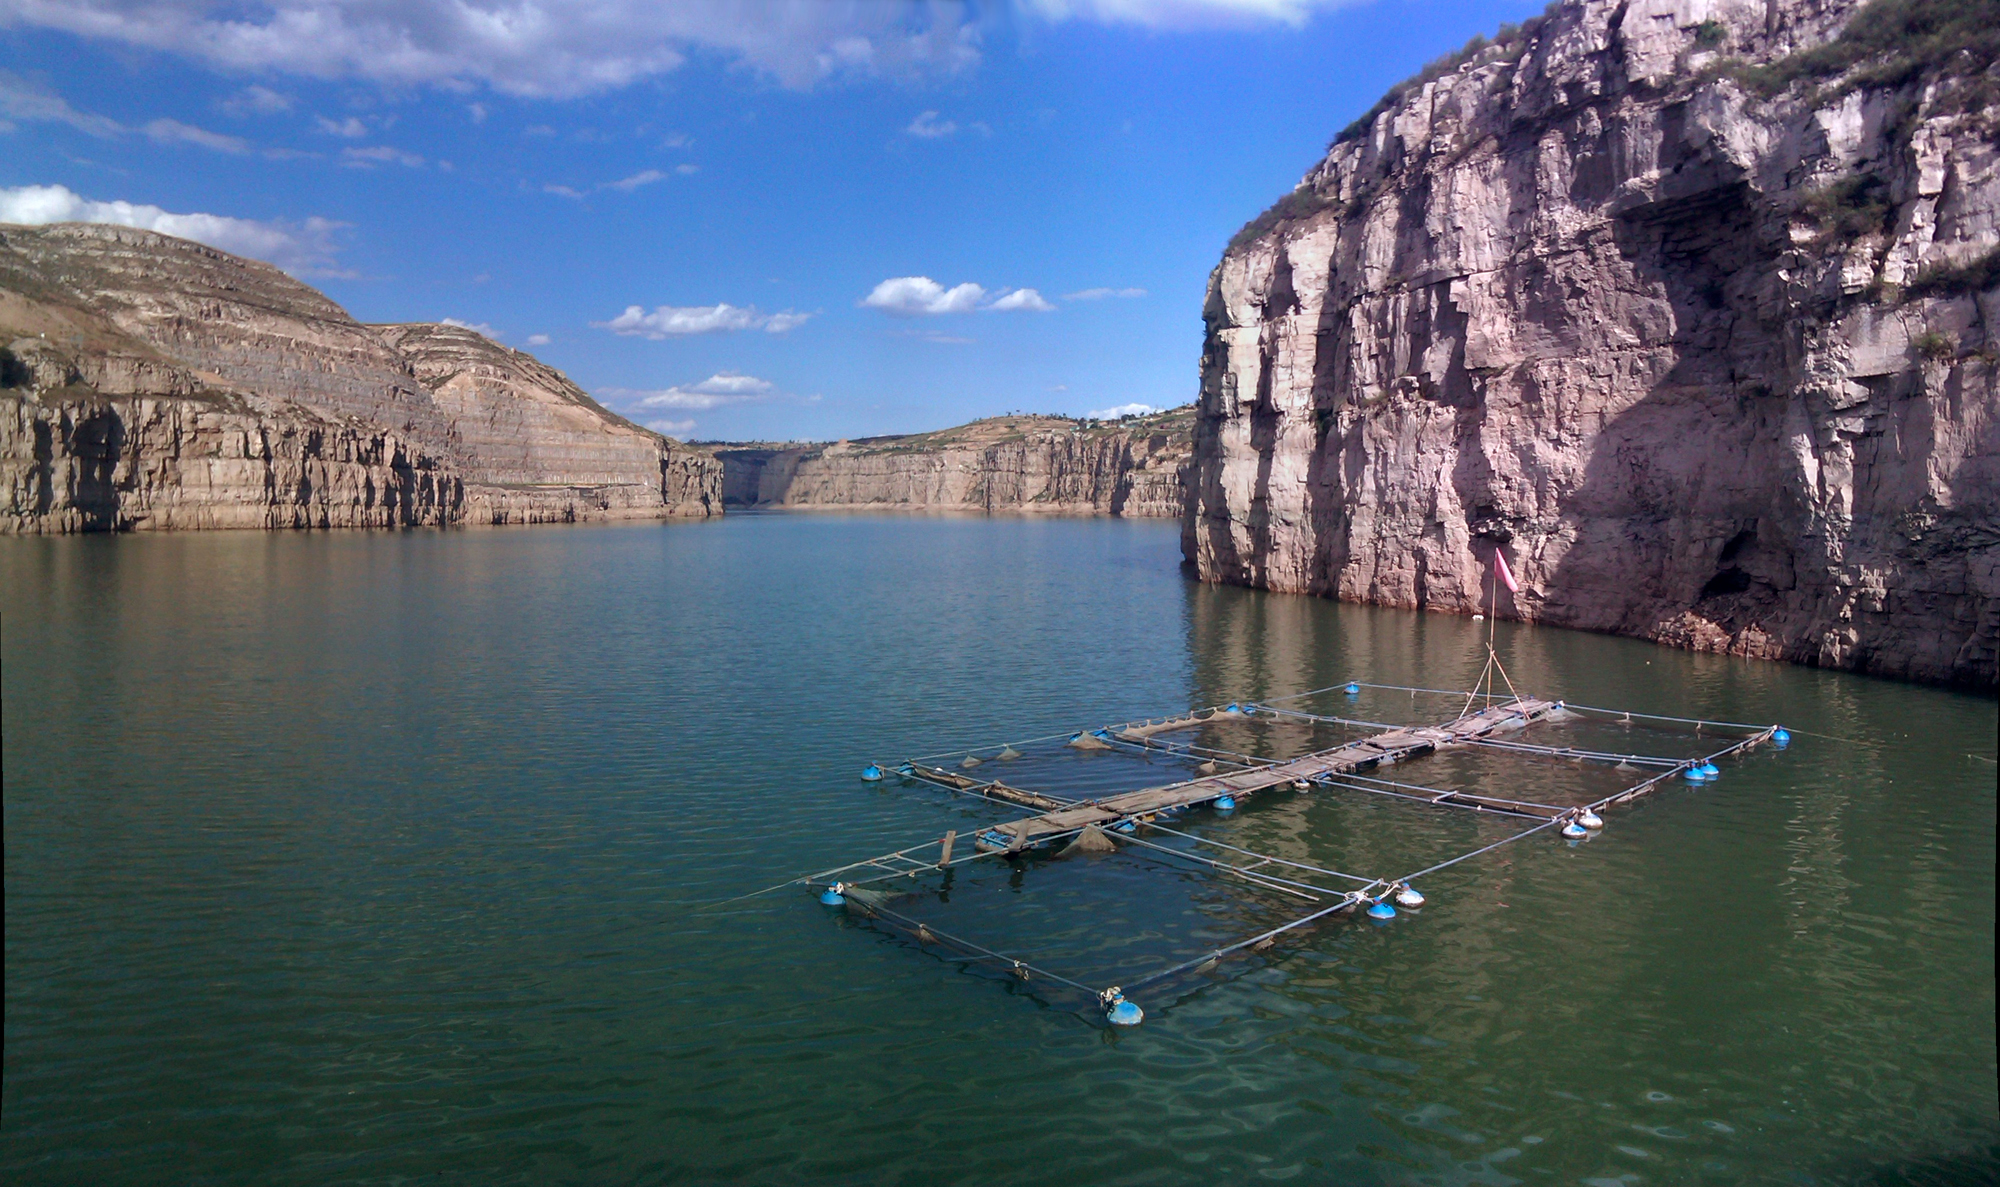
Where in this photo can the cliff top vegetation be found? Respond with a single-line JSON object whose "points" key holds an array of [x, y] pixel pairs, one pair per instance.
{"points": [[1887, 43]]}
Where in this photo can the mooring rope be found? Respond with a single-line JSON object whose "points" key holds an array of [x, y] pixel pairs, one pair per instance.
{"points": [[1234, 758], [1572, 752], [1347, 900], [1299, 865], [1355, 722], [927, 929], [1408, 878], [1272, 881], [1623, 713]]}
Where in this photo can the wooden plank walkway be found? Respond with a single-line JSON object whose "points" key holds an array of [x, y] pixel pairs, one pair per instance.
{"points": [[1346, 759]]}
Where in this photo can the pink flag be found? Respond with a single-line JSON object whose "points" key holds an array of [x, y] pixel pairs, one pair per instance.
{"points": [[1501, 571]]}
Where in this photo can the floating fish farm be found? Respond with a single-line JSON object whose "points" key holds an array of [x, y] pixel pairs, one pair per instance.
{"points": [[1064, 801]]}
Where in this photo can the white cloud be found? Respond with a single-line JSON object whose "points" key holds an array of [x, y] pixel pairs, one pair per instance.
{"points": [[1122, 410], [1101, 293], [165, 131], [477, 111], [1182, 14], [31, 103], [480, 328], [304, 249], [256, 101], [680, 321], [1027, 299], [912, 296], [538, 340], [628, 184], [562, 191], [718, 390], [529, 47], [920, 296], [671, 428], [351, 127], [929, 127], [379, 154], [731, 383], [687, 170]]}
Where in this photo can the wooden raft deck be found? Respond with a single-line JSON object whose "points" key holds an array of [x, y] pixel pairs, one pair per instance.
{"points": [[1346, 759]]}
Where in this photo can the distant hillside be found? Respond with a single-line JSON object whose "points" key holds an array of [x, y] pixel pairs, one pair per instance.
{"points": [[152, 382], [1002, 463]]}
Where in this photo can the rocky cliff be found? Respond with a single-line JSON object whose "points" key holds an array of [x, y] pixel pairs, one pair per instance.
{"points": [[150, 382], [1004, 463], [1689, 306]]}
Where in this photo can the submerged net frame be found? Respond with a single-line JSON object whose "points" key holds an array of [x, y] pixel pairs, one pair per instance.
{"points": [[1331, 892]]}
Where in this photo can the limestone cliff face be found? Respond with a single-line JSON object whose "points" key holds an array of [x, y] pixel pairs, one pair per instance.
{"points": [[1696, 326], [1012, 463], [150, 382]]}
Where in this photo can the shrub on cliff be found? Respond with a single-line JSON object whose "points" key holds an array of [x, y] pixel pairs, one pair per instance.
{"points": [[1506, 45], [1976, 277], [1889, 43], [1300, 203]]}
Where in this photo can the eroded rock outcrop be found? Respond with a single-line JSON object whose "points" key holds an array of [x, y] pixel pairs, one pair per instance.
{"points": [[1689, 305], [151, 382], [1005, 463]]}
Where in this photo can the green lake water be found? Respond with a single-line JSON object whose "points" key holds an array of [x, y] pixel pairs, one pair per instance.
{"points": [[377, 858]]}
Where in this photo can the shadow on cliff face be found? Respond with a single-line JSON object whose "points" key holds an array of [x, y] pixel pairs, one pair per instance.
{"points": [[1734, 508], [1675, 506], [96, 441]]}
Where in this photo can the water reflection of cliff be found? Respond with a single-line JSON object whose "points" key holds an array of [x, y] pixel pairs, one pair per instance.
{"points": [[1726, 964]]}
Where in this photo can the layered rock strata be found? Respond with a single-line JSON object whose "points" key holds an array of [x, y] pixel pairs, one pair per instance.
{"points": [[150, 382], [1688, 306], [1009, 463]]}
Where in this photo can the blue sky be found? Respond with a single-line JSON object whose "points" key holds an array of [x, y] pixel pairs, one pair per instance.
{"points": [[542, 169]]}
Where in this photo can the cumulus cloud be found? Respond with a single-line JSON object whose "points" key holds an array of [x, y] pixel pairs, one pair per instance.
{"points": [[727, 387], [920, 296], [1182, 14], [1101, 293], [672, 428], [915, 296], [303, 249], [538, 340], [164, 131], [1027, 299], [680, 321], [480, 328], [529, 47], [929, 127], [1121, 411], [351, 127]]}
